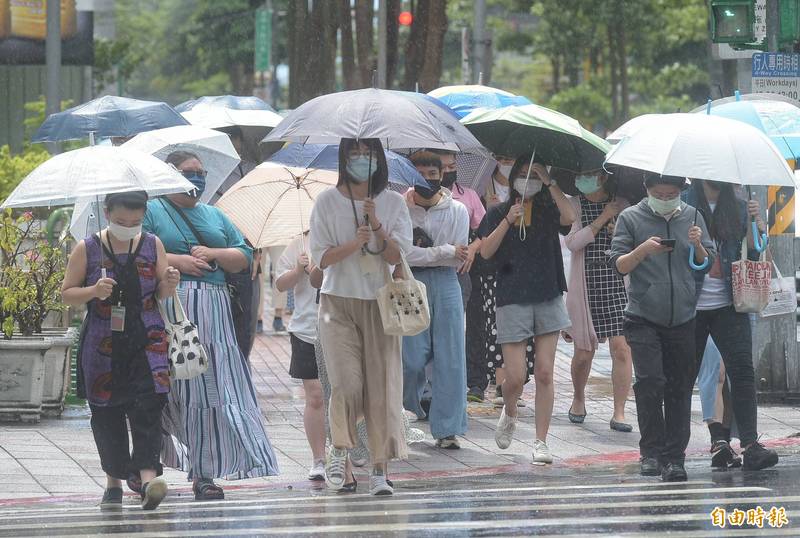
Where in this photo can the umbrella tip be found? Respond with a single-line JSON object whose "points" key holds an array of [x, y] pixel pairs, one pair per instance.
{"points": [[708, 106], [738, 95]]}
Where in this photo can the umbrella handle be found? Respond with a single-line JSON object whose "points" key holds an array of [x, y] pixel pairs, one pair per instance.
{"points": [[760, 240], [692, 264]]}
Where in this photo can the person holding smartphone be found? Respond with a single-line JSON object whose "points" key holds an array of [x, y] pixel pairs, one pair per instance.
{"points": [[522, 237], [652, 244]]}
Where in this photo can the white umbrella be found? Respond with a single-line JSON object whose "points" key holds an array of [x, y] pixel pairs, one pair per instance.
{"points": [[272, 204], [703, 147], [631, 126], [214, 148], [94, 172], [87, 218]]}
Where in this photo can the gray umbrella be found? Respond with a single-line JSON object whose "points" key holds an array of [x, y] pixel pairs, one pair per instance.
{"points": [[399, 119]]}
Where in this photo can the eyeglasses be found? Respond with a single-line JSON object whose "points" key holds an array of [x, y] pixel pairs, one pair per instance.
{"points": [[188, 174]]}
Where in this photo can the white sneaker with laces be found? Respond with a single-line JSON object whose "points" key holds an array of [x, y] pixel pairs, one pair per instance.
{"points": [[505, 430], [335, 468], [541, 453], [317, 472], [378, 484]]}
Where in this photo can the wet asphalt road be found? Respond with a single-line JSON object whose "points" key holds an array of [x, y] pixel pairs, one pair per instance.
{"points": [[607, 500]]}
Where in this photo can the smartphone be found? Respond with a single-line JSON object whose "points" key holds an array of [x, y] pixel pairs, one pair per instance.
{"points": [[668, 243]]}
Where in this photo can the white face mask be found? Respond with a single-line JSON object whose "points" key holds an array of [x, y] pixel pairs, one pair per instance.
{"points": [[663, 207], [530, 190], [505, 169], [124, 233]]}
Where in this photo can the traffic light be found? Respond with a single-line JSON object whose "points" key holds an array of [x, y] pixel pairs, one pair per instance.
{"points": [[733, 21], [405, 18]]}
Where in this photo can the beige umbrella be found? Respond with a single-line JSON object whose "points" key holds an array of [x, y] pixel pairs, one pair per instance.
{"points": [[272, 204]]}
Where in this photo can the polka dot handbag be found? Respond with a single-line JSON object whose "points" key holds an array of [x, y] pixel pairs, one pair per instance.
{"points": [[403, 303], [187, 356]]}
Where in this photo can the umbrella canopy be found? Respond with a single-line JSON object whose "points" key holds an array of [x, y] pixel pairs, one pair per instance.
{"points": [[272, 204], [233, 102], [778, 119], [108, 116], [214, 149], [703, 147], [631, 126], [93, 172], [463, 100], [326, 157], [400, 120], [557, 139]]}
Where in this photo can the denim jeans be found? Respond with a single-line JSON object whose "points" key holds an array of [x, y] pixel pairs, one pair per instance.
{"points": [[442, 344], [730, 331], [664, 366]]}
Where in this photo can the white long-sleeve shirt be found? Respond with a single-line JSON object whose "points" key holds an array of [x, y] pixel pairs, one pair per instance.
{"points": [[446, 223]]}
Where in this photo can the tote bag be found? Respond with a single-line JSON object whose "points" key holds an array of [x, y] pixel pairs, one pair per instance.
{"points": [[782, 296], [187, 356], [404, 303], [751, 282]]}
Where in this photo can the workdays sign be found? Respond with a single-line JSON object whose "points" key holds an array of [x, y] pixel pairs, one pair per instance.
{"points": [[23, 30], [776, 72]]}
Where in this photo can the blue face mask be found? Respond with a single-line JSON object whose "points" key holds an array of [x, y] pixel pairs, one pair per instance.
{"points": [[587, 184], [359, 168], [199, 182]]}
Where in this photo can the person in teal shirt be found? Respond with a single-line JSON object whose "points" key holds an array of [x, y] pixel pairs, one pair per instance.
{"points": [[212, 423]]}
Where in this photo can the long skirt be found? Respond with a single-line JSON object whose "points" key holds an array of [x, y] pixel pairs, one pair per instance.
{"points": [[212, 423]]}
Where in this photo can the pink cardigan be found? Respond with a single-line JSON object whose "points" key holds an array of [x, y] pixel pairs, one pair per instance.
{"points": [[582, 330]]}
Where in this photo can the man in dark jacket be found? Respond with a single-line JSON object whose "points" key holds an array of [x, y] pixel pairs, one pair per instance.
{"points": [[652, 244]]}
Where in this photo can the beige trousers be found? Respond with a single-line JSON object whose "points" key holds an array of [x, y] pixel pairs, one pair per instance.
{"points": [[365, 368]]}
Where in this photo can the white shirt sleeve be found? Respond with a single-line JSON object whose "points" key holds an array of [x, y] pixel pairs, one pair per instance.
{"points": [[322, 235], [430, 256], [288, 260], [401, 227]]}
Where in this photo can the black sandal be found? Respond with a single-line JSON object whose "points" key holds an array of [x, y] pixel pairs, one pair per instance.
{"points": [[206, 490], [350, 487], [134, 482], [574, 418]]}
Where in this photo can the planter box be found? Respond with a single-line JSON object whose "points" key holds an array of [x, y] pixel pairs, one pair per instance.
{"points": [[56, 366], [22, 373]]}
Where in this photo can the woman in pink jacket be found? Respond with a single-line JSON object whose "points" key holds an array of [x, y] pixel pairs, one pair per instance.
{"points": [[596, 298]]}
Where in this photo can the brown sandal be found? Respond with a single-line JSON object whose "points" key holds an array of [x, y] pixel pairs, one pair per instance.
{"points": [[206, 490]]}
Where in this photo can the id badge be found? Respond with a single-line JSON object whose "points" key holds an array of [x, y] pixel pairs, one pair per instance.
{"points": [[118, 318], [367, 264]]}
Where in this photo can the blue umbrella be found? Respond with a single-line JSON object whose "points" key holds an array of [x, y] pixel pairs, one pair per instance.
{"points": [[463, 100], [326, 157], [108, 116], [235, 102]]}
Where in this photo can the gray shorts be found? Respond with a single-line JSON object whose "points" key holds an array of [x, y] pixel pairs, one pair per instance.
{"points": [[518, 322]]}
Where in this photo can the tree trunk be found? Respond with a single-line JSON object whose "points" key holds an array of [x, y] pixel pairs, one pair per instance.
{"points": [[415, 46], [392, 40], [623, 61], [613, 71], [434, 44], [364, 31], [349, 75], [555, 66]]}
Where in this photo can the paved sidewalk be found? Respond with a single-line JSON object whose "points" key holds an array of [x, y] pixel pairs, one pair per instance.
{"points": [[57, 457]]}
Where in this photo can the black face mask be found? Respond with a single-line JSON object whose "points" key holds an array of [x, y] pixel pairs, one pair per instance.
{"points": [[429, 191], [448, 179]]}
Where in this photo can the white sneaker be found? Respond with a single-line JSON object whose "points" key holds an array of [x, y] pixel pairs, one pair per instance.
{"points": [[317, 472], [378, 484], [505, 430], [335, 468], [541, 453]]}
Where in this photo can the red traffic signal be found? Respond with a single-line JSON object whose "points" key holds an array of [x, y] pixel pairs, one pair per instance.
{"points": [[405, 18]]}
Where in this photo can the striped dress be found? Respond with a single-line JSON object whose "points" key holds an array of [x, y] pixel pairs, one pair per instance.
{"points": [[212, 424]]}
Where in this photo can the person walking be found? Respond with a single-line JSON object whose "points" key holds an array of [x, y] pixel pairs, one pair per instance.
{"points": [[651, 245], [123, 370], [597, 298], [364, 364], [522, 236], [441, 234], [728, 219], [212, 423], [297, 272]]}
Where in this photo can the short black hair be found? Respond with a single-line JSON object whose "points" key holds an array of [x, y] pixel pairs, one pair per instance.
{"points": [[177, 158], [380, 177], [651, 180], [426, 158], [129, 200]]}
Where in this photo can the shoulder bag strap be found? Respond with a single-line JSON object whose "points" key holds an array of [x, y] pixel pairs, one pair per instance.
{"points": [[192, 228]]}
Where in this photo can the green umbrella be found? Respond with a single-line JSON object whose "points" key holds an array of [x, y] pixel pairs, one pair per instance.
{"points": [[557, 139]]}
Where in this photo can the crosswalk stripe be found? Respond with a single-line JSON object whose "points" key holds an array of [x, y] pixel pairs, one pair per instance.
{"points": [[399, 494], [147, 520]]}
